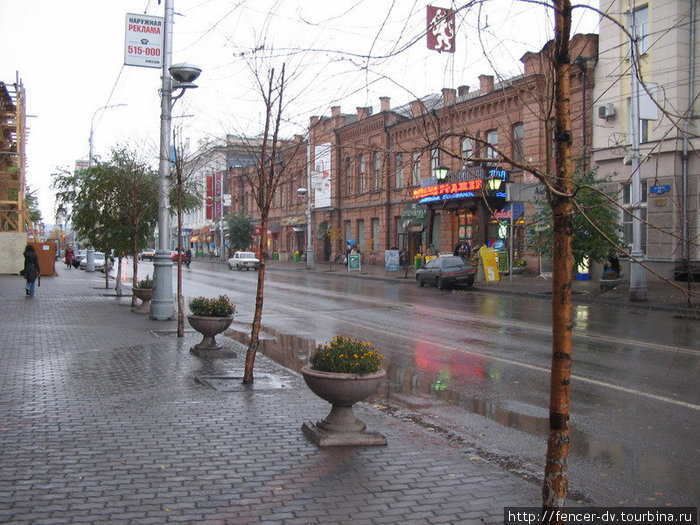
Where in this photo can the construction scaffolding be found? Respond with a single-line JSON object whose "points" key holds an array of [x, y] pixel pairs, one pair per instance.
{"points": [[14, 216]]}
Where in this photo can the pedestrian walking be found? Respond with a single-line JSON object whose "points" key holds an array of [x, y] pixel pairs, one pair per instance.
{"points": [[69, 257], [31, 269]]}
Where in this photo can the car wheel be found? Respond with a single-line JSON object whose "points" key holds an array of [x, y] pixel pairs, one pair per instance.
{"points": [[238, 267], [229, 266], [440, 285], [470, 283], [420, 282]]}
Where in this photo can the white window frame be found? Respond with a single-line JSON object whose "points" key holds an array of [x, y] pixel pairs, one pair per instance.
{"points": [[398, 159], [415, 169], [467, 151], [492, 141]]}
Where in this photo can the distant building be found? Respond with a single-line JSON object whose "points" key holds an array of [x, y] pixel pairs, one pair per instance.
{"points": [[668, 44]]}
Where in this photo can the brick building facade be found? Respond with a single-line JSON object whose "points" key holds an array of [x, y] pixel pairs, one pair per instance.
{"points": [[373, 175]]}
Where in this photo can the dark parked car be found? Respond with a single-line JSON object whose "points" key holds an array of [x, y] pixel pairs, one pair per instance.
{"points": [[446, 271]]}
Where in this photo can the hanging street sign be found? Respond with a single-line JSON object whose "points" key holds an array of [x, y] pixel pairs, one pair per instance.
{"points": [[658, 190], [143, 42]]}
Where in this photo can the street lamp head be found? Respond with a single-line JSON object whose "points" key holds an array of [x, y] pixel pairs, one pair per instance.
{"points": [[495, 183], [184, 74], [301, 192], [441, 172]]}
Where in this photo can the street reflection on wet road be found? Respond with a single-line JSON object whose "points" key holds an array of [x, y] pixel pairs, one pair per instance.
{"points": [[476, 364]]}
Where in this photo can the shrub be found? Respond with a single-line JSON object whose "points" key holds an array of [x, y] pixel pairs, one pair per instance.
{"points": [[346, 355], [219, 307], [145, 283]]}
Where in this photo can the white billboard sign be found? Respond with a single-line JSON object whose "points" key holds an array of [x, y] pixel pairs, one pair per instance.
{"points": [[321, 178], [143, 44]]}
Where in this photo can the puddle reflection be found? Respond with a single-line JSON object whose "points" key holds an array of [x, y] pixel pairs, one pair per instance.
{"points": [[429, 377]]}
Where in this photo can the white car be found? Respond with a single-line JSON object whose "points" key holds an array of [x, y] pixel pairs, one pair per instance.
{"points": [[99, 261], [241, 260]]}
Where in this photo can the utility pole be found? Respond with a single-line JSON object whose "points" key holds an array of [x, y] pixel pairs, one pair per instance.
{"points": [[638, 285]]}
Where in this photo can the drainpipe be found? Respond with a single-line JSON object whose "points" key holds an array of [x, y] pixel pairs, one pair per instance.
{"points": [[389, 224]]}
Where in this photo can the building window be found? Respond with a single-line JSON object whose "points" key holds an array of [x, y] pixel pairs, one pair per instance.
{"points": [[467, 151], [398, 159], [415, 173], [375, 235], [628, 219], [492, 140], [361, 174], [434, 160], [639, 22], [361, 234], [518, 134], [644, 128], [377, 165], [348, 231], [348, 176]]}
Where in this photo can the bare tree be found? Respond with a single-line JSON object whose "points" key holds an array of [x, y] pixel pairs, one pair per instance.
{"points": [[273, 161]]}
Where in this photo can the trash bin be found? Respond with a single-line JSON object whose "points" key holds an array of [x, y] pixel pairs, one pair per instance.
{"points": [[297, 257], [417, 261], [275, 256]]}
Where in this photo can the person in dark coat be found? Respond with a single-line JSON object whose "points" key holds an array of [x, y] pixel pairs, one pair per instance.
{"points": [[69, 257], [31, 269]]}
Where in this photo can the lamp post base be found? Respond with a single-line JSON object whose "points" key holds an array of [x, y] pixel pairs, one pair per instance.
{"points": [[162, 304], [638, 283], [310, 263]]}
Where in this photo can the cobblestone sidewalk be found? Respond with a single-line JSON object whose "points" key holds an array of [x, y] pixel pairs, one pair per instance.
{"points": [[102, 420]]}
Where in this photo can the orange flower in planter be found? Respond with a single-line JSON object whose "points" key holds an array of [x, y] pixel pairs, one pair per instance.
{"points": [[346, 355]]}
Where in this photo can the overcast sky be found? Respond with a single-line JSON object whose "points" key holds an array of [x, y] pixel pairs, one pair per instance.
{"points": [[69, 55]]}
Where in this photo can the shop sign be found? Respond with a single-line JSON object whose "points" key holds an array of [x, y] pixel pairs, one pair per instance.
{"points": [[391, 261], [456, 190], [490, 263], [354, 262], [293, 221]]}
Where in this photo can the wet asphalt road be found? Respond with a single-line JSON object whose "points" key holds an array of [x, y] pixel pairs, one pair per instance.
{"points": [[475, 366]]}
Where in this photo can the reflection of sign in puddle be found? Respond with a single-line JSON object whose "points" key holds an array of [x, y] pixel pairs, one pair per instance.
{"points": [[235, 383]]}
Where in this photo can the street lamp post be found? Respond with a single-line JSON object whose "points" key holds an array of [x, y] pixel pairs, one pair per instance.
{"points": [[90, 254], [162, 305], [310, 263], [92, 128]]}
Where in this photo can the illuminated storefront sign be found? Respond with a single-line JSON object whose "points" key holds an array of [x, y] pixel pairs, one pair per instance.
{"points": [[456, 190], [463, 185]]}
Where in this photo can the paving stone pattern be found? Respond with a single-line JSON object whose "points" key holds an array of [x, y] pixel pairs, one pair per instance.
{"points": [[102, 421]]}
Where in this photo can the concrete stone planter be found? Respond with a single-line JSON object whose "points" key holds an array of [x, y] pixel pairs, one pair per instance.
{"points": [[340, 426], [209, 327], [517, 270], [145, 294], [609, 284]]}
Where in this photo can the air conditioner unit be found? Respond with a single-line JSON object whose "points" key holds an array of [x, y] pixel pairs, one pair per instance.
{"points": [[607, 111]]}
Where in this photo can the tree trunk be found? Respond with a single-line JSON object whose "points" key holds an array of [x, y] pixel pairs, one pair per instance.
{"points": [[105, 268], [257, 316], [135, 277], [180, 298], [118, 278], [555, 476]]}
